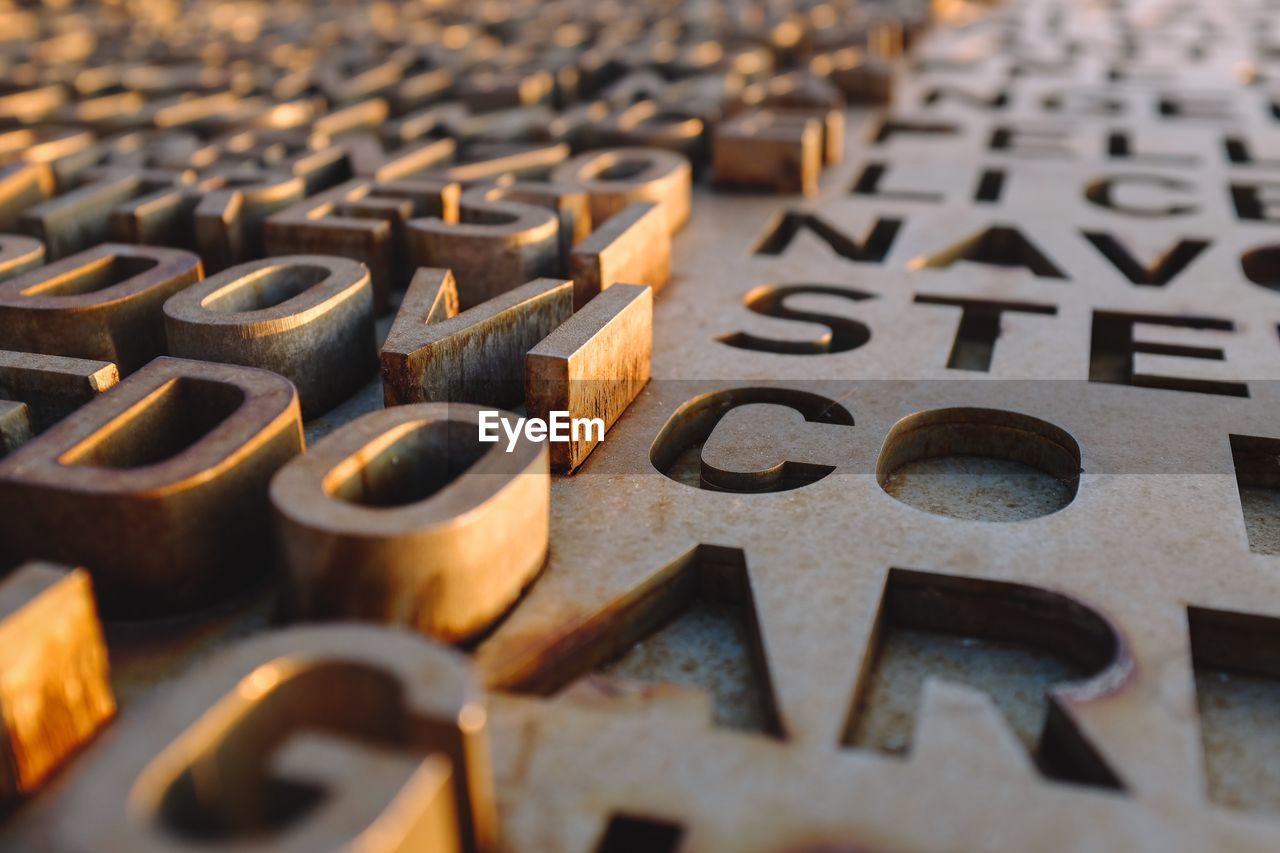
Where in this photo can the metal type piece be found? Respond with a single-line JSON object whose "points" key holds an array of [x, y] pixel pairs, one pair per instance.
{"points": [[592, 366], [335, 737], [993, 614], [80, 219], [633, 246], [102, 304], [433, 353], [404, 517], [614, 178], [21, 186], [38, 390], [365, 221], [158, 488], [769, 148], [495, 245], [19, 254], [572, 207], [308, 318], [54, 691]]}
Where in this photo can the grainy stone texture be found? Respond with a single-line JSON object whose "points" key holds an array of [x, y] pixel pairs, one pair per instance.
{"points": [[1022, 637]]}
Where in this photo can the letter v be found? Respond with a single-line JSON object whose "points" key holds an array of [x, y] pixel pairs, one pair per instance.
{"points": [[1157, 274]]}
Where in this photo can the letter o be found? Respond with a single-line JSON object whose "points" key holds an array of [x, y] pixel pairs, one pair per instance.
{"points": [[307, 317], [404, 517]]}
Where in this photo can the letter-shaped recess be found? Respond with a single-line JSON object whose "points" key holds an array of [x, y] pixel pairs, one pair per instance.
{"points": [[1124, 348], [592, 366], [657, 632], [1258, 201], [997, 246], [1005, 466], [1258, 484], [1237, 678], [348, 737], [1010, 641], [159, 488], [435, 354], [363, 220], [615, 177], [15, 425], [974, 346], [54, 690], [307, 317], [1102, 192], [633, 246], [104, 303], [685, 451], [38, 390], [1157, 273], [843, 333], [871, 177], [495, 244], [892, 126], [1261, 265], [997, 99], [871, 249], [627, 832], [404, 516]]}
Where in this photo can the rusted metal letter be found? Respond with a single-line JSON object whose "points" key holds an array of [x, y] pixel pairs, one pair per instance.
{"points": [[159, 488], [307, 317]]}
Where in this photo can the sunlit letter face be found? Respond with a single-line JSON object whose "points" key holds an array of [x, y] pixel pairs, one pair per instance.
{"points": [[159, 487], [307, 317], [405, 517], [394, 757], [103, 303]]}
